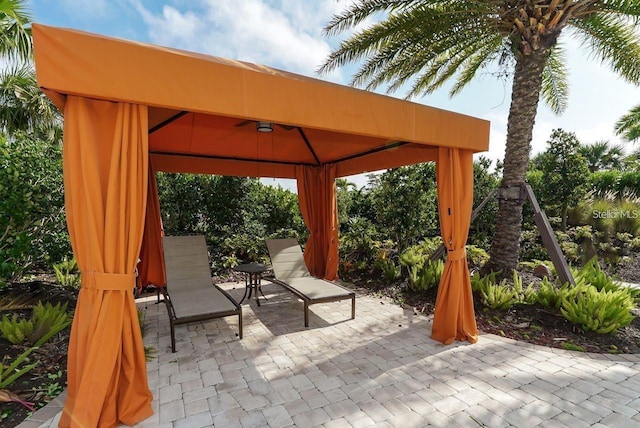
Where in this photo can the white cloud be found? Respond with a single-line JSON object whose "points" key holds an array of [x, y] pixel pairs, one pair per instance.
{"points": [[284, 34]]}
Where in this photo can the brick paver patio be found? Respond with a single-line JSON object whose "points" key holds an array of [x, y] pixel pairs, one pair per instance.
{"points": [[381, 369]]}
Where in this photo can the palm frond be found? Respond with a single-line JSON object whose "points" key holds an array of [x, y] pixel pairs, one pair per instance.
{"points": [[23, 107], [15, 30], [613, 40], [628, 126], [555, 87]]}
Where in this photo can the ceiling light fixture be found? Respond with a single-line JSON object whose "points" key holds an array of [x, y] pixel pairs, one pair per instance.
{"points": [[264, 127]]}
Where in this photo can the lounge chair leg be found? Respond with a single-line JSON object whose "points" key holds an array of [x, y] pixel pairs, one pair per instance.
{"points": [[173, 336], [306, 314]]}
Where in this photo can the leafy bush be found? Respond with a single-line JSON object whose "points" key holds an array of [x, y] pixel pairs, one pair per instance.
{"points": [[46, 321], [498, 296], [413, 258], [67, 273], [32, 221], [476, 256], [523, 295], [390, 271], [550, 295], [479, 282], [428, 275], [598, 311], [14, 330], [502, 295]]}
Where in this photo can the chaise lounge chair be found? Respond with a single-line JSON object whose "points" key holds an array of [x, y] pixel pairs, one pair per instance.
{"points": [[190, 296], [290, 271]]}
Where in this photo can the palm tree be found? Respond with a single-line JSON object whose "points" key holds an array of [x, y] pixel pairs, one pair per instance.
{"points": [[628, 127], [23, 107], [602, 156], [15, 30], [425, 43]]}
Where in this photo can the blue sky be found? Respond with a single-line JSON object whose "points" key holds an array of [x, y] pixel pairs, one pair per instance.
{"points": [[286, 34]]}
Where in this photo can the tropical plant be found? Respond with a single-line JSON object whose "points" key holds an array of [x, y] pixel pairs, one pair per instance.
{"points": [[598, 311], [498, 296], [32, 220], [67, 273], [602, 156], [425, 43], [628, 126], [550, 295], [15, 30], [47, 320], [24, 107]]}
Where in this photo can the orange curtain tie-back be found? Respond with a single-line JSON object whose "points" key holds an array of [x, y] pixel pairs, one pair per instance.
{"points": [[454, 255], [108, 281]]}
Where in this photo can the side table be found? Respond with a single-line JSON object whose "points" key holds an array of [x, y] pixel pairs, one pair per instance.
{"points": [[253, 278]]}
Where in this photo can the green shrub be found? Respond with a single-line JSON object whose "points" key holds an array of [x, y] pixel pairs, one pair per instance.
{"points": [[479, 282], [626, 218], [413, 258], [390, 271], [551, 296], [592, 274], [428, 275], [14, 330], [46, 321], [498, 296], [476, 256], [598, 311], [67, 273], [503, 295], [526, 296], [423, 273]]}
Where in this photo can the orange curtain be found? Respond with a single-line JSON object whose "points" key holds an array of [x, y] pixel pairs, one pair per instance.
{"points": [[151, 267], [105, 178], [454, 318], [318, 205]]}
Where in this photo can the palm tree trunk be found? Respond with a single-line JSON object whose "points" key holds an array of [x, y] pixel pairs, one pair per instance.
{"points": [[527, 83]]}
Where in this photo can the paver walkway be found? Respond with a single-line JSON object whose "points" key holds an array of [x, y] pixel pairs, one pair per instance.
{"points": [[381, 369]]}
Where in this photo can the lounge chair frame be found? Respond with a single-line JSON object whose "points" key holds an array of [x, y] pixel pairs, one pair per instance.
{"points": [[175, 320], [293, 267], [309, 301]]}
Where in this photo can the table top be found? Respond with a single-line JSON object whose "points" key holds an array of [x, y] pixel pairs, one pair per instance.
{"points": [[251, 268]]}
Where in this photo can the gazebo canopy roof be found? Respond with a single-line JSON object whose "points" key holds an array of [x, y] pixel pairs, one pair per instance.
{"points": [[203, 110]]}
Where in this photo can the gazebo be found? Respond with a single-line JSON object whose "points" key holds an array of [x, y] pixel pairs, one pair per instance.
{"points": [[133, 109]]}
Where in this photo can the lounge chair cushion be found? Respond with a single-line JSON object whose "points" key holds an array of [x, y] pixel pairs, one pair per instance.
{"points": [[315, 288], [287, 259], [290, 271], [190, 294]]}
